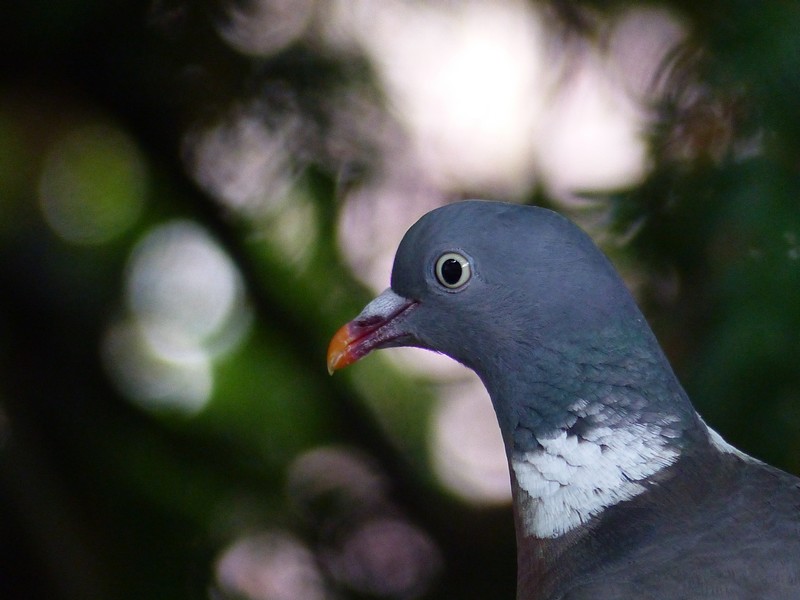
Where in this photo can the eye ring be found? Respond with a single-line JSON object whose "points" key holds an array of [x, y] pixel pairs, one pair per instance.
{"points": [[453, 270]]}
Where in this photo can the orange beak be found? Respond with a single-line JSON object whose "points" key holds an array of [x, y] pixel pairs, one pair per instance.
{"points": [[340, 353], [378, 326]]}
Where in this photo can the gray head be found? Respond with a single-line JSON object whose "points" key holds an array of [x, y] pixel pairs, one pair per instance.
{"points": [[529, 276], [522, 296]]}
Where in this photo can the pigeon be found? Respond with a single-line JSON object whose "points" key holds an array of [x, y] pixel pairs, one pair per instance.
{"points": [[619, 488]]}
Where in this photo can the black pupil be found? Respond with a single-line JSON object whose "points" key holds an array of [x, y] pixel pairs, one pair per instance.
{"points": [[451, 271]]}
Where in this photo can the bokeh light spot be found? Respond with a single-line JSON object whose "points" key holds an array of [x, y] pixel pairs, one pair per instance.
{"points": [[240, 161], [466, 446], [243, 162], [182, 286], [186, 306], [93, 184], [157, 382], [270, 566], [462, 77], [333, 476], [386, 557], [366, 543]]}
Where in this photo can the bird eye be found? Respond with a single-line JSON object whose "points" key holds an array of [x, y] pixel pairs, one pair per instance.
{"points": [[453, 270]]}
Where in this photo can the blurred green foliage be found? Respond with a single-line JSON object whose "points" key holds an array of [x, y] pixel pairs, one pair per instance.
{"points": [[102, 498]]}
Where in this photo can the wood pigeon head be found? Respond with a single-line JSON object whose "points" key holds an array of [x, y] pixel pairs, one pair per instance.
{"points": [[475, 277], [513, 292]]}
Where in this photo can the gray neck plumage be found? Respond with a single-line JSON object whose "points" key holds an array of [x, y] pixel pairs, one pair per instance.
{"points": [[591, 417], [616, 377]]}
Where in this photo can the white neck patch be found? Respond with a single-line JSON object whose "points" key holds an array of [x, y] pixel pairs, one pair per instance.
{"points": [[571, 479]]}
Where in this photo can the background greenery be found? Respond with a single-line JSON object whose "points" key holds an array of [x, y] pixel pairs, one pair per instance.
{"points": [[105, 497]]}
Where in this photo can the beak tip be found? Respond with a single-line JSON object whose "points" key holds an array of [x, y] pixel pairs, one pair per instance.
{"points": [[331, 366], [338, 350]]}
